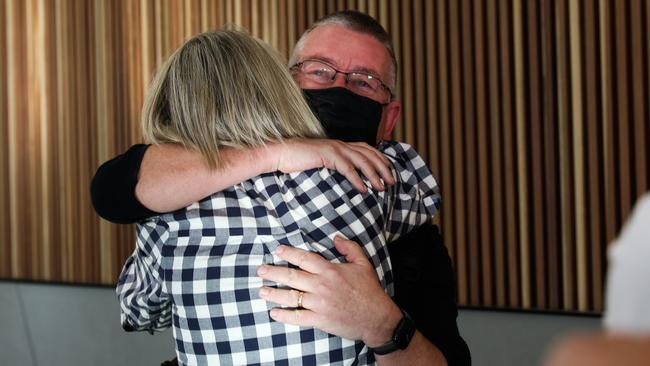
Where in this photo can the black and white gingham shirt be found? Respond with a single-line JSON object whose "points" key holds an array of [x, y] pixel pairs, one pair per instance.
{"points": [[196, 268]]}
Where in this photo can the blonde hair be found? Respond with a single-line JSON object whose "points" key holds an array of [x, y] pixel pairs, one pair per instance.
{"points": [[225, 88]]}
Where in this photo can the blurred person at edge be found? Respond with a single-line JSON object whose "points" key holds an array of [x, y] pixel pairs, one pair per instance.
{"points": [[331, 62], [626, 337]]}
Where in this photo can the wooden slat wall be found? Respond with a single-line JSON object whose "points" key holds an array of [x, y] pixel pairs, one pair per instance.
{"points": [[534, 115]]}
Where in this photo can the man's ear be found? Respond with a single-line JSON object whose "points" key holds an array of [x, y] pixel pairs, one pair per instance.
{"points": [[388, 120]]}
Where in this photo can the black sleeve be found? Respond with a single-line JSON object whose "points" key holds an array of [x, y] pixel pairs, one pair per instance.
{"points": [[112, 189], [424, 288]]}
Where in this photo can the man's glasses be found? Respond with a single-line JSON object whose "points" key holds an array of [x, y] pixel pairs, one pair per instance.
{"points": [[360, 83]]}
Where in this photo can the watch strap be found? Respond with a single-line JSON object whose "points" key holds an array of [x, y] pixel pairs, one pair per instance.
{"points": [[402, 336]]}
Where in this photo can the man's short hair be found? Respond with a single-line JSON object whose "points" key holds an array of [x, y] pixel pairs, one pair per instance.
{"points": [[357, 22]]}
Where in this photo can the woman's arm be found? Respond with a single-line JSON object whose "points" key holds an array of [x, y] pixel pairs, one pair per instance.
{"points": [[143, 182], [172, 177]]}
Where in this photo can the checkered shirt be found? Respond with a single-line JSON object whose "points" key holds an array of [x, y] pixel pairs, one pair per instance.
{"points": [[196, 268]]}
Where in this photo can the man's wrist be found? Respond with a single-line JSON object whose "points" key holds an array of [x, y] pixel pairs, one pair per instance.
{"points": [[402, 336], [383, 331]]}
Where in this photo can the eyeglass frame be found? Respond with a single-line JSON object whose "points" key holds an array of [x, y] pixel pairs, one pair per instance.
{"points": [[298, 66]]}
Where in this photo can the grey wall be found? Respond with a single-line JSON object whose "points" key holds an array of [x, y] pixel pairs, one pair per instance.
{"points": [[517, 339], [70, 325]]}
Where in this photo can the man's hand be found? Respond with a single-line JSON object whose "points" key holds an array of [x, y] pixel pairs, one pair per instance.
{"points": [[297, 155], [344, 299]]}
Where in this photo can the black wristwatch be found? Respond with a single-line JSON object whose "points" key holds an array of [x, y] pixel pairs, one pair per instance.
{"points": [[401, 336]]}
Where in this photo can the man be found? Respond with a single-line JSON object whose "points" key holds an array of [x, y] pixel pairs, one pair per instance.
{"points": [[349, 86]]}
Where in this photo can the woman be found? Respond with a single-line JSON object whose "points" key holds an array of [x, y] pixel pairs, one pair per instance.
{"points": [[196, 267]]}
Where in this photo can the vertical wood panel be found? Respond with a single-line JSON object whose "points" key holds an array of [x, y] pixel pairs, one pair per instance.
{"points": [[640, 116], [522, 154], [566, 167], [594, 150], [536, 141], [372, 8], [292, 34], [445, 129], [282, 31], [496, 158], [623, 110], [419, 82], [647, 95], [16, 104], [394, 31], [578, 152], [507, 105], [5, 222], [101, 119], [406, 128], [457, 199], [483, 217], [647, 91], [533, 115], [432, 120], [32, 116], [470, 158], [551, 191]]}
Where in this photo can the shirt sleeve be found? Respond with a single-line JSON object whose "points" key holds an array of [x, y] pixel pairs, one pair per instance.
{"points": [[415, 198], [112, 189], [420, 261], [144, 303]]}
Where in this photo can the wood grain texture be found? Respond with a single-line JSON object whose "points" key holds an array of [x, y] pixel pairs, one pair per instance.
{"points": [[534, 117]]}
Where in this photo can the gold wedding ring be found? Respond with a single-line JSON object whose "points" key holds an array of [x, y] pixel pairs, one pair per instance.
{"points": [[300, 295]]}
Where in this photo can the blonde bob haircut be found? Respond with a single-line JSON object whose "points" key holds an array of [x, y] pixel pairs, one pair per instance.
{"points": [[225, 89]]}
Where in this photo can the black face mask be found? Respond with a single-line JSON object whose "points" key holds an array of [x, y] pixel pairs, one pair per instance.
{"points": [[345, 116]]}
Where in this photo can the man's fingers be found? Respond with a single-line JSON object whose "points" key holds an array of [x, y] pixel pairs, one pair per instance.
{"points": [[347, 168], [294, 278], [306, 260], [351, 250], [377, 163], [287, 297], [299, 317], [374, 151], [368, 165], [347, 158]]}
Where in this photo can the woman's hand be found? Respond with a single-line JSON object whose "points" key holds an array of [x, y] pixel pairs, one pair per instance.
{"points": [[297, 155]]}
